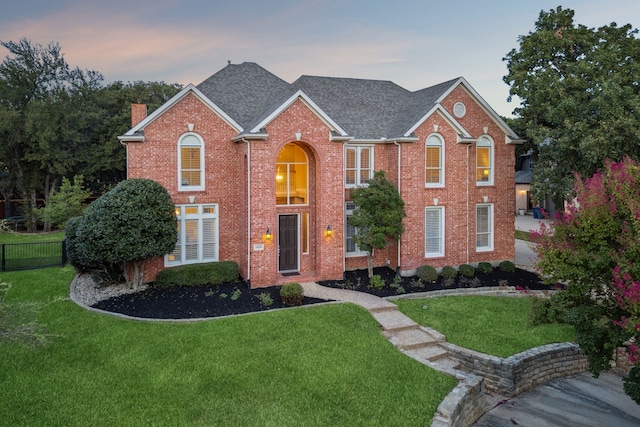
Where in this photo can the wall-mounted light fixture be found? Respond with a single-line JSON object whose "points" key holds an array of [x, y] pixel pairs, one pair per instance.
{"points": [[267, 235], [328, 232]]}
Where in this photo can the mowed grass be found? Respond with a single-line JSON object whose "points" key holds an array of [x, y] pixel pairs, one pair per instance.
{"points": [[8, 237], [316, 366], [491, 325]]}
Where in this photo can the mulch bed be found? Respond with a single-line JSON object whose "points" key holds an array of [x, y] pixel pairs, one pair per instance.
{"points": [[189, 302]]}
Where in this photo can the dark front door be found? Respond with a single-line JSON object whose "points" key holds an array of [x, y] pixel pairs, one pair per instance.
{"points": [[288, 243]]}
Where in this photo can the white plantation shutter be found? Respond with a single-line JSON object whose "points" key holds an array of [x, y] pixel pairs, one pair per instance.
{"points": [[209, 247], [484, 227], [434, 232], [191, 244], [197, 240]]}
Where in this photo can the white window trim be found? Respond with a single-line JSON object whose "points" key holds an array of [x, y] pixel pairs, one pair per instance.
{"points": [[426, 144], [358, 149], [491, 160], [491, 228], [347, 213], [182, 217], [442, 230], [190, 187]]}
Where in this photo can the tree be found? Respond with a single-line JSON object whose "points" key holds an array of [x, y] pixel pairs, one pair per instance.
{"points": [[594, 248], [378, 215], [131, 223], [580, 92], [67, 202]]}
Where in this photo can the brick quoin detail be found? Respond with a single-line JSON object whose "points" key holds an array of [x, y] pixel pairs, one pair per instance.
{"points": [[247, 204]]}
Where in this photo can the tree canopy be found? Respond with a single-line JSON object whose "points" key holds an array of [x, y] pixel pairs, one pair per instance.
{"points": [[378, 215], [580, 97], [594, 248], [57, 121]]}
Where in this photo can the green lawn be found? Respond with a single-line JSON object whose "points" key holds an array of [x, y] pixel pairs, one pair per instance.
{"points": [[8, 237], [323, 365], [492, 325]]}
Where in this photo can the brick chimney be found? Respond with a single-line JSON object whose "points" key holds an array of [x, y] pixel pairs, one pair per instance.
{"points": [[138, 113]]}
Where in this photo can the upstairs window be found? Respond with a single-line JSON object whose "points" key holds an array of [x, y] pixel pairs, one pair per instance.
{"points": [[191, 161], [434, 164], [292, 183], [484, 161], [358, 165]]}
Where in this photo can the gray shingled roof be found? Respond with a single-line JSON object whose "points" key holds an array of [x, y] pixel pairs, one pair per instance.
{"points": [[365, 109]]}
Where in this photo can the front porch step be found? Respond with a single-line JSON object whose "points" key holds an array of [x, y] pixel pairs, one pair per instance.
{"points": [[410, 339]]}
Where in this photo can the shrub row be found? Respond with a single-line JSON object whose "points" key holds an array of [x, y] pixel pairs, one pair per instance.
{"points": [[427, 273], [212, 273]]}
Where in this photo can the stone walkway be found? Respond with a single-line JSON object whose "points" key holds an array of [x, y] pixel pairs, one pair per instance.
{"points": [[567, 402]]}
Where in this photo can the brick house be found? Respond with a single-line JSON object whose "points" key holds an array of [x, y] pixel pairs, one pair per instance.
{"points": [[260, 172]]}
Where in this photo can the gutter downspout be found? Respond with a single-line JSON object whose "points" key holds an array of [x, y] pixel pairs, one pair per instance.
{"points": [[467, 245], [248, 278], [399, 192]]}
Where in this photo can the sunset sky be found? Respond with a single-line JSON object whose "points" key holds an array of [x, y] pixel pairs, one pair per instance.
{"points": [[414, 43]]}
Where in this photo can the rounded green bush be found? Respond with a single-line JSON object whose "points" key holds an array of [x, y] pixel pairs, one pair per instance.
{"points": [[292, 293], [507, 266], [448, 272], [426, 273], [467, 270], [485, 267]]}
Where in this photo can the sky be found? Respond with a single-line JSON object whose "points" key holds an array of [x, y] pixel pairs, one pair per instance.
{"points": [[414, 43]]}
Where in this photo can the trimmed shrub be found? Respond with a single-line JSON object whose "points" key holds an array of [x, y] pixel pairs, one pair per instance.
{"points": [[485, 267], [211, 273], [426, 273], [507, 266], [377, 282], [292, 293], [448, 272], [467, 270]]}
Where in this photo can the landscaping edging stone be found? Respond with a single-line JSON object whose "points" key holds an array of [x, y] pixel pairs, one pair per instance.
{"points": [[463, 405]]}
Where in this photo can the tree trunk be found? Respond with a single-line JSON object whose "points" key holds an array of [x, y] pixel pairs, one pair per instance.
{"points": [[370, 264], [135, 274]]}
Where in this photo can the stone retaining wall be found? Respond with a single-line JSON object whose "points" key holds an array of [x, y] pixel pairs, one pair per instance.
{"points": [[523, 371], [463, 405]]}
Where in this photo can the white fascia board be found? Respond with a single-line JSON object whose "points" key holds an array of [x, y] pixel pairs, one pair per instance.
{"points": [[309, 102], [190, 88], [445, 114], [512, 136]]}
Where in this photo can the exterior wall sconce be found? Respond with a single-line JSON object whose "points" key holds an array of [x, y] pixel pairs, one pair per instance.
{"points": [[328, 232], [267, 235]]}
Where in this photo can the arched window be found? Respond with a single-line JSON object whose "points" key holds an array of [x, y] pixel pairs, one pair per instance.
{"points": [[434, 163], [484, 161], [292, 183], [191, 162]]}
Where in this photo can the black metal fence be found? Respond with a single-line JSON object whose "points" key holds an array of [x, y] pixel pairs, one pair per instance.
{"points": [[25, 256]]}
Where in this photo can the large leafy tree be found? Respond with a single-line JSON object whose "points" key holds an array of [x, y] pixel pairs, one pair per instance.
{"points": [[580, 97], [57, 121], [378, 215], [126, 226], [594, 248]]}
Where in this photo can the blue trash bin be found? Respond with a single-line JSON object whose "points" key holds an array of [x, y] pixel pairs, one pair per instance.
{"points": [[536, 213]]}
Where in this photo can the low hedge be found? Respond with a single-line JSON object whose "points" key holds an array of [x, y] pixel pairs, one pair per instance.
{"points": [[211, 273], [426, 273], [467, 270], [448, 272], [292, 293]]}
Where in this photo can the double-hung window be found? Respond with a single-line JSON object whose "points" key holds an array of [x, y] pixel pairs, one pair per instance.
{"points": [[484, 227], [358, 165], [351, 248], [434, 232], [434, 162], [191, 162], [197, 235], [484, 161]]}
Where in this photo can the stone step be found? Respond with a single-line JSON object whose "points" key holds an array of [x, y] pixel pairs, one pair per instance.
{"points": [[394, 321], [448, 362], [409, 339], [432, 353], [382, 307]]}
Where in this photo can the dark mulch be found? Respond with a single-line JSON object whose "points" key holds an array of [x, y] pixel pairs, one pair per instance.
{"points": [[193, 302], [189, 302], [359, 280]]}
